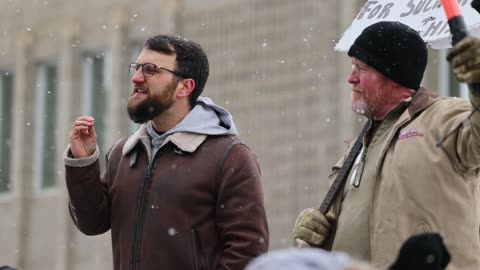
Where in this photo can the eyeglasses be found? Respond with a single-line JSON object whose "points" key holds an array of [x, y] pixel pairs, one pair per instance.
{"points": [[148, 70]]}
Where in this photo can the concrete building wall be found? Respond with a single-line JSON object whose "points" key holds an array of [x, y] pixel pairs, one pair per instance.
{"points": [[272, 65]]}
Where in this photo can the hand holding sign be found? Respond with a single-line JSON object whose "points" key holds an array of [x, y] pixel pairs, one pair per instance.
{"points": [[463, 68], [465, 60]]}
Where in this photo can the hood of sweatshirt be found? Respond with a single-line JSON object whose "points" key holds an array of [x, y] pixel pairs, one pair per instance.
{"points": [[205, 118]]}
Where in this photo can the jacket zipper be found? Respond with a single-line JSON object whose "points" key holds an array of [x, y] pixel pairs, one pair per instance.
{"points": [[139, 222]]}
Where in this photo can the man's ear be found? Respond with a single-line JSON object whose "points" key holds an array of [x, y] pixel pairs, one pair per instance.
{"points": [[401, 90], [394, 84], [186, 87]]}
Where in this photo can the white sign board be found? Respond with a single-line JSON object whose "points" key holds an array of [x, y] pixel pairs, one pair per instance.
{"points": [[425, 16]]}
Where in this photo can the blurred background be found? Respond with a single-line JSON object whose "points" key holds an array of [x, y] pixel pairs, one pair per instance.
{"points": [[272, 66]]}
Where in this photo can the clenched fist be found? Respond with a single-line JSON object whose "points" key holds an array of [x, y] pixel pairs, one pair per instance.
{"points": [[83, 139], [465, 60], [312, 227]]}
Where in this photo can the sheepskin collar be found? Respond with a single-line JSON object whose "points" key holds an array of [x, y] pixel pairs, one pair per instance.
{"points": [[185, 141]]}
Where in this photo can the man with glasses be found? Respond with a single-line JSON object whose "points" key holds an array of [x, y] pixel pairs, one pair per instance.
{"points": [[182, 192]]}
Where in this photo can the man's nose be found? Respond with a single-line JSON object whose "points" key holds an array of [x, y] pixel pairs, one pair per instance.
{"points": [[138, 77], [353, 78]]}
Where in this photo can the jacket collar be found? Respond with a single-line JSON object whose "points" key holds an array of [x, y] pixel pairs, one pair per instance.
{"points": [[185, 141], [415, 105], [421, 100]]}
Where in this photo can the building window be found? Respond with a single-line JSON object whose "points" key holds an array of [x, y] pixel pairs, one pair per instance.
{"points": [[45, 126], [135, 49], [6, 122], [95, 85]]}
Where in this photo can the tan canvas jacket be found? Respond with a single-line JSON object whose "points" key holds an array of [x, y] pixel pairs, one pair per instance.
{"points": [[416, 187]]}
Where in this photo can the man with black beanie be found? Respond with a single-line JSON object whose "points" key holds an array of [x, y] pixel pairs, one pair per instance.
{"points": [[415, 165]]}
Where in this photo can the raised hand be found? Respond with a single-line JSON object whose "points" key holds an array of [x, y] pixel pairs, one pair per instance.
{"points": [[83, 139], [465, 60]]}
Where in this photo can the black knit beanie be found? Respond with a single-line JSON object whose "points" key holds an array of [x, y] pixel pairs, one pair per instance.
{"points": [[395, 50]]}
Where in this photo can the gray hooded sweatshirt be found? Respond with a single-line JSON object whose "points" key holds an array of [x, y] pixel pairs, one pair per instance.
{"points": [[205, 118]]}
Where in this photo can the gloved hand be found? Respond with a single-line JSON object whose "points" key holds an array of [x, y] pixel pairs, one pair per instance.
{"points": [[312, 227], [465, 60]]}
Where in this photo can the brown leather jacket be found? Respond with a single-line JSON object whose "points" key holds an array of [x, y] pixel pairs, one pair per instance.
{"points": [[198, 206]]}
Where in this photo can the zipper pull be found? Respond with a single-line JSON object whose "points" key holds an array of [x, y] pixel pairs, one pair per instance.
{"points": [[148, 172]]}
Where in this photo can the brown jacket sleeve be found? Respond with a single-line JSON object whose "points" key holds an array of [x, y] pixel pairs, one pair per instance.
{"points": [[241, 214], [89, 204]]}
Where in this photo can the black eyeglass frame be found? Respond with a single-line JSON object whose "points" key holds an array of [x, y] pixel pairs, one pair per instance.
{"points": [[157, 68]]}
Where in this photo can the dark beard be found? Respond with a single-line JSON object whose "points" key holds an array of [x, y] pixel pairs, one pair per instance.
{"points": [[151, 108], [145, 111]]}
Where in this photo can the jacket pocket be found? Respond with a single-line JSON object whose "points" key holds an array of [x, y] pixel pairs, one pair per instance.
{"points": [[198, 257]]}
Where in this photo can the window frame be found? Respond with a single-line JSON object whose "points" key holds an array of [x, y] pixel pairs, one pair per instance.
{"points": [[45, 128], [93, 104], [7, 128], [136, 48], [448, 85]]}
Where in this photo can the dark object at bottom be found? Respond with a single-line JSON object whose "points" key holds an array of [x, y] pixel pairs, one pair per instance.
{"points": [[6, 267], [476, 5], [422, 251]]}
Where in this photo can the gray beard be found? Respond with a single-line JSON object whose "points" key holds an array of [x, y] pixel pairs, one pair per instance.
{"points": [[360, 108]]}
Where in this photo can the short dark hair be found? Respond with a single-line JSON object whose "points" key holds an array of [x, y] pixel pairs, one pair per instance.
{"points": [[191, 59]]}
